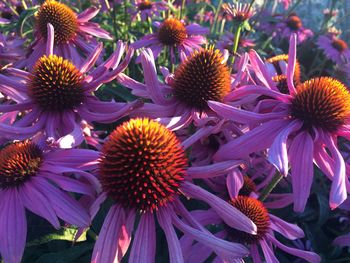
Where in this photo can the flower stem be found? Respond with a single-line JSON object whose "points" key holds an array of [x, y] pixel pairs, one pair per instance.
{"points": [[182, 8], [213, 26], [272, 184], [236, 42]]}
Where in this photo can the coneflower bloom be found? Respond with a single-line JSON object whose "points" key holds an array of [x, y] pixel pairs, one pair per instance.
{"points": [[334, 48], [57, 96], [34, 177], [74, 34], [147, 9], [301, 127], [174, 34], [266, 223], [143, 169], [201, 76], [239, 12], [293, 25]]}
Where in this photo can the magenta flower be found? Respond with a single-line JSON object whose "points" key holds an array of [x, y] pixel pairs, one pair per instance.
{"points": [[200, 77], [293, 25], [143, 169], [147, 9], [58, 97], [297, 128], [266, 223], [74, 34], [33, 177], [238, 12], [334, 48], [174, 34]]}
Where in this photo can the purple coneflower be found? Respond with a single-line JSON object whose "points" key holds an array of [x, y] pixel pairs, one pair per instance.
{"points": [[293, 25], [57, 96], [334, 48], [202, 76], [143, 169], [174, 34], [300, 127], [266, 223], [74, 34], [33, 177], [147, 9], [239, 12]]}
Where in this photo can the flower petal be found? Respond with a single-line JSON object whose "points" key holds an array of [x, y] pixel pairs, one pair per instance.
{"points": [[13, 227], [144, 246]]}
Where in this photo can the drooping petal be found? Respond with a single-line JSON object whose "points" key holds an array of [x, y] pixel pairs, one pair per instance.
{"points": [[278, 155], [144, 246], [106, 247], [288, 230], [251, 141], [232, 216], [65, 207], [234, 182], [306, 255], [220, 246], [13, 227], [175, 252], [301, 159], [243, 116], [268, 252], [213, 170], [338, 192], [37, 203]]}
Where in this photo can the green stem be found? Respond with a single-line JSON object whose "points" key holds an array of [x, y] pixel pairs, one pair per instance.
{"points": [[213, 26], [272, 184], [150, 25], [236, 42], [182, 8]]}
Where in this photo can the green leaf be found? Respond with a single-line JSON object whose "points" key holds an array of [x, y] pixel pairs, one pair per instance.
{"points": [[25, 14], [67, 234]]}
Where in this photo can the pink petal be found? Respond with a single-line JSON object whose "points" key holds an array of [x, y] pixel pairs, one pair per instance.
{"points": [[13, 227], [242, 116], [212, 170], [268, 252], [278, 151], [234, 183], [106, 246], [63, 204], [292, 53], [290, 231], [306, 255], [251, 141], [144, 246], [301, 159], [230, 215], [338, 192], [220, 246], [37, 203], [175, 252]]}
